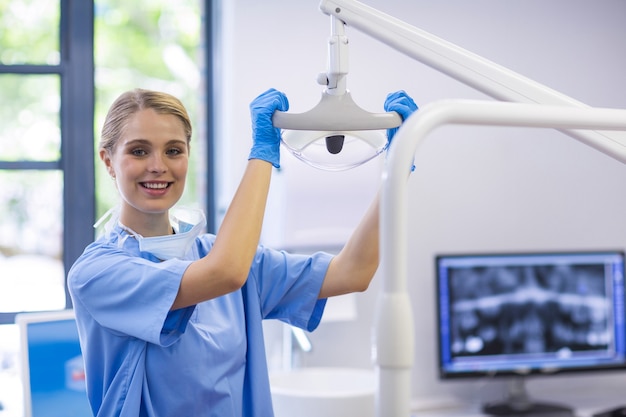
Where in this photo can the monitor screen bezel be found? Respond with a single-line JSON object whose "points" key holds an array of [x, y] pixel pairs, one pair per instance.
{"points": [[445, 374], [23, 321]]}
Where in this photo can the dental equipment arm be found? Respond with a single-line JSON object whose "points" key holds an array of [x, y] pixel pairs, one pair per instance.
{"points": [[466, 67], [394, 331]]}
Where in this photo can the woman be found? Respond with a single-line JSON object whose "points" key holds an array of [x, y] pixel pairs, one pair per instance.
{"points": [[170, 320]]}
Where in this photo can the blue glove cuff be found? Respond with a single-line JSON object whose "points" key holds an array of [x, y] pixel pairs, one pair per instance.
{"points": [[270, 154]]}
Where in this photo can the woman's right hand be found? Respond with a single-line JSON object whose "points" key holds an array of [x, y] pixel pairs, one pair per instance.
{"points": [[266, 137]]}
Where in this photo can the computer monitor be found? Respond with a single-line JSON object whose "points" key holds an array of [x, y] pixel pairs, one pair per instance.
{"points": [[52, 370], [525, 314]]}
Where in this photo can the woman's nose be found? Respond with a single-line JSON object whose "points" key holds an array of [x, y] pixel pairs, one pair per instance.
{"points": [[157, 163]]}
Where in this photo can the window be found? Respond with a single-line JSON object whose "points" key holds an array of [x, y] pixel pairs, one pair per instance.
{"points": [[60, 69], [46, 130]]}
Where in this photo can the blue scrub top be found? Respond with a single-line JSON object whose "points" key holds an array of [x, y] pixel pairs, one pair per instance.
{"points": [[141, 359]]}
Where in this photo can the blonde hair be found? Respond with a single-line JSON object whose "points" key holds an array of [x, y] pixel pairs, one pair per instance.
{"points": [[129, 103]]}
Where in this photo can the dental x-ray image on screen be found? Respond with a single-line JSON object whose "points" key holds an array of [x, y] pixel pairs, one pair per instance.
{"points": [[520, 314]]}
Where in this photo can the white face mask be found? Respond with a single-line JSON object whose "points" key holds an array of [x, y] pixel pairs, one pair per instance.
{"points": [[176, 245]]}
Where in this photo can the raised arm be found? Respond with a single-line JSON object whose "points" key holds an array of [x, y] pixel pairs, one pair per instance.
{"points": [[354, 266], [225, 268]]}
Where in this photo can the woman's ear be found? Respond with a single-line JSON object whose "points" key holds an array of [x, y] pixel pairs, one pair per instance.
{"points": [[106, 158]]}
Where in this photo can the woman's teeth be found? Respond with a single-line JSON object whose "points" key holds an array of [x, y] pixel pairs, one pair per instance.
{"points": [[155, 186]]}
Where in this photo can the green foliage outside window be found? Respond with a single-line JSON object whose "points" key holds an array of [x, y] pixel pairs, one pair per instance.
{"points": [[29, 32], [154, 45]]}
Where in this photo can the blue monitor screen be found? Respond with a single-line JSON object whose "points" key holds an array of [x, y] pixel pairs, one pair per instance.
{"points": [[55, 376], [518, 314]]}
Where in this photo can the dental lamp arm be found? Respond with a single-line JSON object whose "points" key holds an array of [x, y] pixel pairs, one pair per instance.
{"points": [[477, 72], [336, 111]]}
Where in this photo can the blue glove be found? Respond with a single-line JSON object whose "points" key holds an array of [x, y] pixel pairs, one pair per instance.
{"points": [[265, 136], [401, 103]]}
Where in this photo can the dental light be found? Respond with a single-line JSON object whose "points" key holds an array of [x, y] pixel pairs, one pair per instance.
{"points": [[336, 134], [537, 106]]}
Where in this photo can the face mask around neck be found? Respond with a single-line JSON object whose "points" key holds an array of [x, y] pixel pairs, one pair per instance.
{"points": [[178, 244]]}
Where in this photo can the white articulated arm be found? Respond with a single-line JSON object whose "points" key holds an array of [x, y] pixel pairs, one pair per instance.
{"points": [[471, 69], [394, 332]]}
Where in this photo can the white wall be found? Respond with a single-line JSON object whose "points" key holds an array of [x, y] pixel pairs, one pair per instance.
{"points": [[473, 190]]}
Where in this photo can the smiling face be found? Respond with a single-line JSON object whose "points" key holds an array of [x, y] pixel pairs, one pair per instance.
{"points": [[149, 164]]}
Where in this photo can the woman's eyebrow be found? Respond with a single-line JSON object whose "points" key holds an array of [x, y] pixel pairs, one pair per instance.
{"points": [[177, 141], [141, 141], [137, 141]]}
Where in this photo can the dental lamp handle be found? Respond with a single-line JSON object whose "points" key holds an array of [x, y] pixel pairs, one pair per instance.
{"points": [[336, 113]]}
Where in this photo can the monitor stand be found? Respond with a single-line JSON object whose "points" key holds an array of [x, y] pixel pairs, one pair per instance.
{"points": [[519, 404]]}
